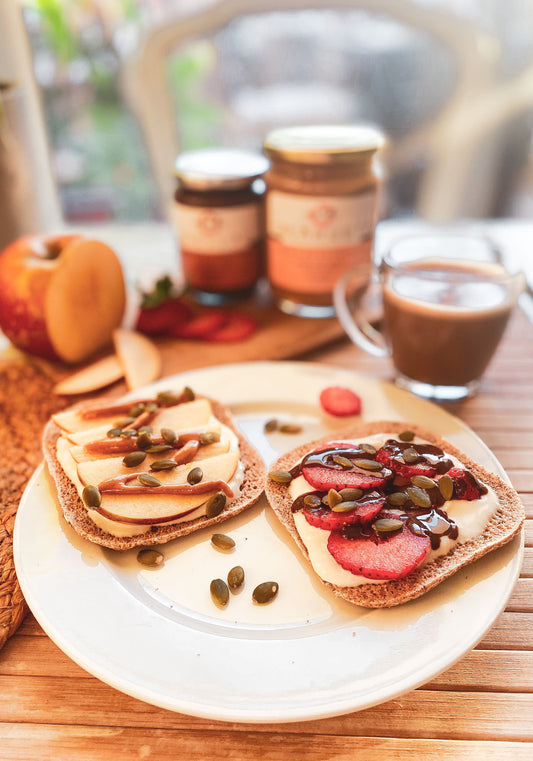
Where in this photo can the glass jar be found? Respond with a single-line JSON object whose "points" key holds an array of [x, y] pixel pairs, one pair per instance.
{"points": [[219, 221], [321, 209]]}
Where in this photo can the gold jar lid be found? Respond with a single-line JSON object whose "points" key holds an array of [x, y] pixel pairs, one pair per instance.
{"points": [[323, 144], [219, 168]]}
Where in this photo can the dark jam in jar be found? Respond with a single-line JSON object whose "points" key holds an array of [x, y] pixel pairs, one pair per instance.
{"points": [[219, 221]]}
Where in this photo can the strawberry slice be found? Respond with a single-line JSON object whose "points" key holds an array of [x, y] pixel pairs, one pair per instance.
{"points": [[465, 485], [340, 401], [322, 517], [154, 320], [323, 478], [202, 325], [374, 558], [396, 463], [237, 328]]}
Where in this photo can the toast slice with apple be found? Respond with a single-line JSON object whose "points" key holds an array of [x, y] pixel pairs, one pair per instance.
{"points": [[141, 472]]}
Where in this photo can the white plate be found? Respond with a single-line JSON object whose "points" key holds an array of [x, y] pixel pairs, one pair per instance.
{"points": [[156, 635]]}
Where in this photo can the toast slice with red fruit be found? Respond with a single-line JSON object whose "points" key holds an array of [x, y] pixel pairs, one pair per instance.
{"points": [[388, 556]]}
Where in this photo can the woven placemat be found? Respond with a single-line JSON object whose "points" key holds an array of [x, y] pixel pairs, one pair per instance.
{"points": [[26, 403]]}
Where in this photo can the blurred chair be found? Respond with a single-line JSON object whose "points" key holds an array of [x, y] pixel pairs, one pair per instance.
{"points": [[447, 146]]}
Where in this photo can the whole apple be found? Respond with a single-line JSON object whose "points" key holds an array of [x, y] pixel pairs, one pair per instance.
{"points": [[61, 296]]}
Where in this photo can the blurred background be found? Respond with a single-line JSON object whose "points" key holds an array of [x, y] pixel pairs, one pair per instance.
{"points": [[125, 84]]}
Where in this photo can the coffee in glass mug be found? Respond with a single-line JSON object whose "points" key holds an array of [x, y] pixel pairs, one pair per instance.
{"points": [[446, 302]]}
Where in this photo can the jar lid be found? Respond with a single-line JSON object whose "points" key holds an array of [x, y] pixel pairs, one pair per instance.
{"points": [[321, 144], [211, 168]]}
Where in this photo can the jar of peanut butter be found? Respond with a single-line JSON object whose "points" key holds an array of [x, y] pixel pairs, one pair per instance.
{"points": [[321, 209], [219, 221]]}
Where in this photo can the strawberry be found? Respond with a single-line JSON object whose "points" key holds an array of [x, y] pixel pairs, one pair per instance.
{"points": [[324, 478], [391, 459], [465, 485], [340, 401], [322, 517], [163, 317], [202, 325], [237, 328], [387, 558]]}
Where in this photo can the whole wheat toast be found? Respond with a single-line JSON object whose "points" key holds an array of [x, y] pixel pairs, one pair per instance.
{"points": [[504, 524], [77, 515]]}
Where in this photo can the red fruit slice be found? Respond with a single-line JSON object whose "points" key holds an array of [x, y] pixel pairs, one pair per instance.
{"points": [[163, 317], [324, 478], [383, 559], [202, 325], [465, 485], [323, 517], [237, 328], [404, 469], [340, 401]]}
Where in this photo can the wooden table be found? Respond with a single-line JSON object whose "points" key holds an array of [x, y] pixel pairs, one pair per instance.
{"points": [[481, 708]]}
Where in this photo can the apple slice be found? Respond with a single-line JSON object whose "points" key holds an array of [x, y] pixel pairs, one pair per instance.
{"points": [[150, 508], [99, 374], [139, 357], [80, 453], [183, 416]]}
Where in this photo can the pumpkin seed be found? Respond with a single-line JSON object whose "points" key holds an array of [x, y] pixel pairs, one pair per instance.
{"points": [[158, 448], [387, 525], [123, 421], [209, 437], [368, 448], [145, 429], [406, 435], [344, 462], [423, 482], [410, 455], [351, 494], [168, 398], [188, 394], [129, 434], [312, 500], [397, 498], [235, 577], [144, 441], [343, 507], [446, 486], [333, 497], [368, 464], [222, 541], [114, 433], [147, 480], [418, 496], [271, 425], [132, 459], [215, 504], [280, 476], [169, 436], [290, 428], [219, 592], [265, 592], [195, 475], [163, 465], [136, 410], [91, 496], [150, 557]]}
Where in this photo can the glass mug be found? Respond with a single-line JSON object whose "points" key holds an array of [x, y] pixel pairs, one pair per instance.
{"points": [[444, 301]]}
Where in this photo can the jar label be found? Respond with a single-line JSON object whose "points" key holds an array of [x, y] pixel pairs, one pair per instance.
{"points": [[217, 230], [312, 270], [319, 222]]}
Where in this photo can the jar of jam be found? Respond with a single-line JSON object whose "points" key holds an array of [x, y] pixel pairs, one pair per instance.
{"points": [[219, 221], [321, 209]]}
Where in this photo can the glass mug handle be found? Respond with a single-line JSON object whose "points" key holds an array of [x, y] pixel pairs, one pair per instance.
{"points": [[357, 293]]}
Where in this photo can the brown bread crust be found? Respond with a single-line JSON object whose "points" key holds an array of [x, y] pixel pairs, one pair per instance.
{"points": [[506, 522], [76, 514]]}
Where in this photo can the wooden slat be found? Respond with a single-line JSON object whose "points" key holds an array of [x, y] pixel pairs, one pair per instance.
{"points": [[83, 743], [420, 713], [521, 600], [510, 631]]}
